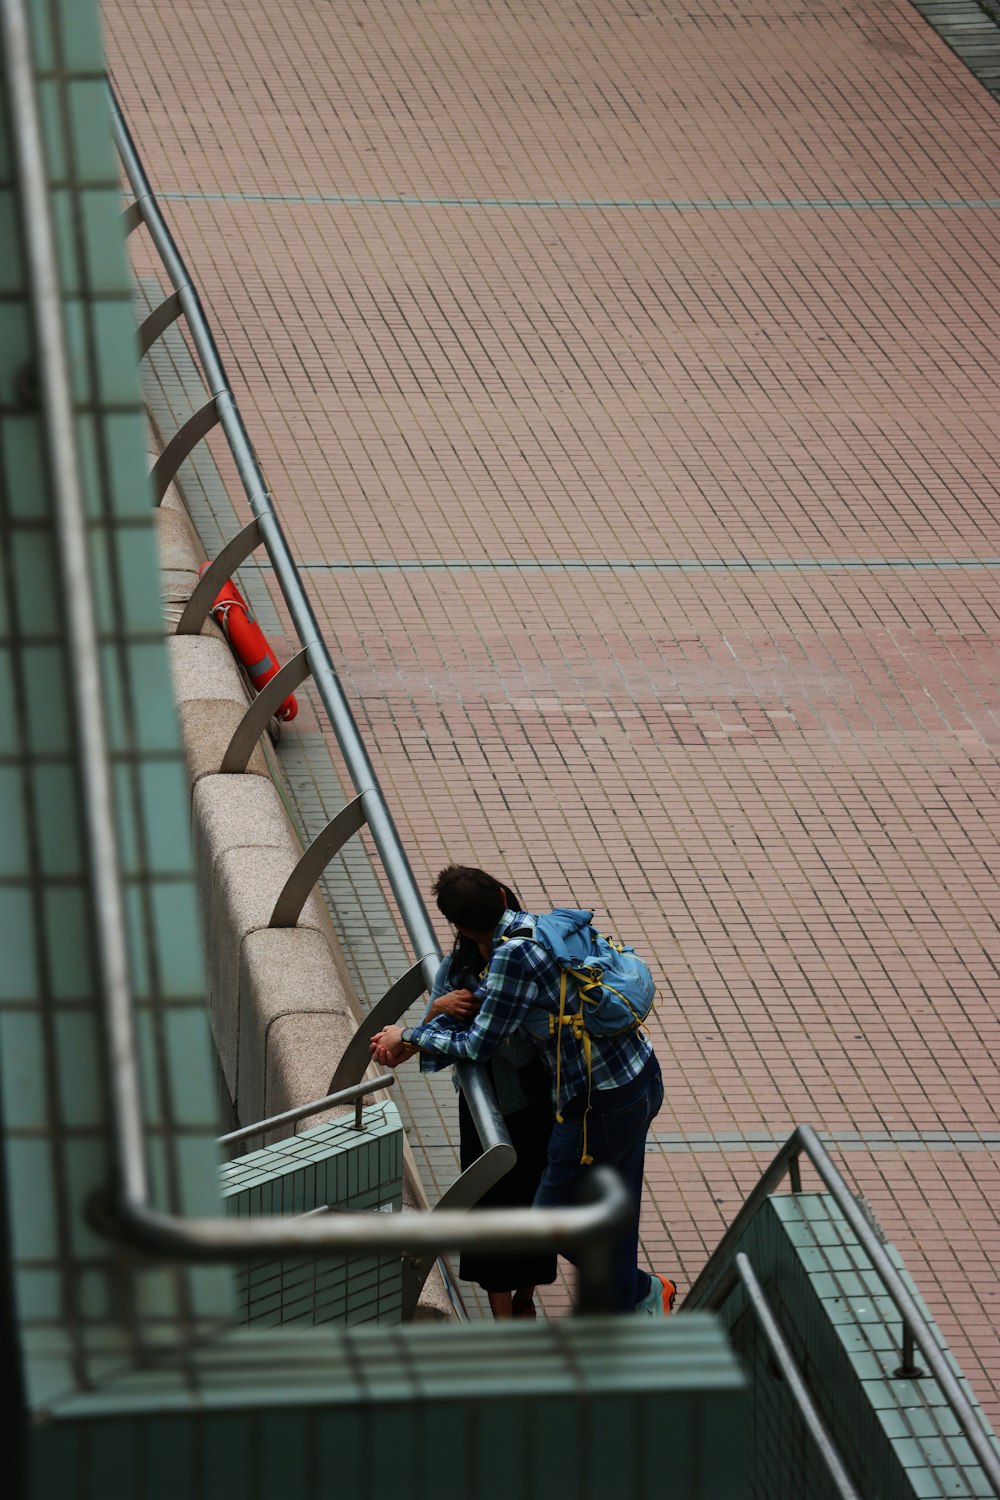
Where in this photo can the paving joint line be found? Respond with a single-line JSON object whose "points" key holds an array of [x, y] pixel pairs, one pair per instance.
{"points": [[596, 205], [650, 565], [671, 1141]]}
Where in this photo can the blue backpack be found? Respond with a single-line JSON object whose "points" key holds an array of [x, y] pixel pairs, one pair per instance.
{"points": [[605, 988]]}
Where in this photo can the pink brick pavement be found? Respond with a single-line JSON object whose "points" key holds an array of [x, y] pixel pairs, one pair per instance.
{"points": [[516, 296]]}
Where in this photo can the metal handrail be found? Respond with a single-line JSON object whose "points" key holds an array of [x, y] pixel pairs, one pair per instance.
{"points": [[126, 1212], [473, 1078], [355, 1094], [743, 1272], [708, 1287]]}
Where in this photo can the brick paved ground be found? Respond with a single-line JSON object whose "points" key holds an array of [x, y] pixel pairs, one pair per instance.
{"points": [[626, 376]]}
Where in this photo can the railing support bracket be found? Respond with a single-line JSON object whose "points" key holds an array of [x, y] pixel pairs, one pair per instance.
{"points": [[205, 591], [397, 998], [131, 218], [464, 1192], [253, 723], [159, 319], [180, 445], [314, 861]]}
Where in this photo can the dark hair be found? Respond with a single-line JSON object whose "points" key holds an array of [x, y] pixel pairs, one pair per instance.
{"points": [[470, 898], [466, 964]]}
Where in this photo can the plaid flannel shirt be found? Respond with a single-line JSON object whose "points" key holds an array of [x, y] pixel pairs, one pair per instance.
{"points": [[522, 976]]}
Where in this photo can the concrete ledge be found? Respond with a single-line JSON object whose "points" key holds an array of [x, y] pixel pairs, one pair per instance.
{"points": [[237, 812], [211, 701], [249, 882], [281, 1003], [207, 726], [204, 669], [281, 1012], [180, 558], [295, 1021]]}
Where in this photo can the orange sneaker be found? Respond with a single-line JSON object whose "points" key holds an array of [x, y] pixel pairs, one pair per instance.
{"points": [[659, 1300]]}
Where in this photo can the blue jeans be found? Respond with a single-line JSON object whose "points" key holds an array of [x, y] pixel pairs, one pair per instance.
{"points": [[617, 1127]]}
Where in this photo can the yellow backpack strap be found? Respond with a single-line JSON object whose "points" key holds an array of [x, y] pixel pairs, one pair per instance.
{"points": [[559, 1031], [575, 1020], [577, 1023], [586, 1160]]}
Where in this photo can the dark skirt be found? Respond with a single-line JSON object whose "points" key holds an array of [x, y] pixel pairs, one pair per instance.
{"points": [[529, 1133]]}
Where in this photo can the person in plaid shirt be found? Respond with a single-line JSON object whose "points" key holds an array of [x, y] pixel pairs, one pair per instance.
{"points": [[612, 1111]]}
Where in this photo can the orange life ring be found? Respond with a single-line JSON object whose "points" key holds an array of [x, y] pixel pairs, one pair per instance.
{"points": [[248, 642]]}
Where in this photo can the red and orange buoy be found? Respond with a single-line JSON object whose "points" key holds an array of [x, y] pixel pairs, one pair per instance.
{"points": [[249, 643]]}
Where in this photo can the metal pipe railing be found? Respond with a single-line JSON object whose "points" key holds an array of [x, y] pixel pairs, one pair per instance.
{"points": [[80, 622], [354, 1095], [817, 1429], [473, 1078], [126, 1212], [708, 1289], [384, 834], [590, 1229]]}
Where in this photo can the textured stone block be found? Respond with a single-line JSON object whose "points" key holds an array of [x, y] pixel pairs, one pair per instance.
{"points": [[248, 881], [202, 667], [207, 726], [295, 1020]]}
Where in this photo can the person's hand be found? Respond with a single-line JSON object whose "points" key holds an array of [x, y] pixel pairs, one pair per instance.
{"points": [[461, 1005], [388, 1048]]}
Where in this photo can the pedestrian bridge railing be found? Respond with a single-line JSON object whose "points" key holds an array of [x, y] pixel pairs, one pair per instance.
{"points": [[368, 809], [728, 1268], [354, 1095], [125, 1209]]}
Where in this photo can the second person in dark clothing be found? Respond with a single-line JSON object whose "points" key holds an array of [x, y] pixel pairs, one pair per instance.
{"points": [[521, 1085]]}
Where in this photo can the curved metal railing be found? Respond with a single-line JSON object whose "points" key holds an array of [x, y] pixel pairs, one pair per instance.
{"points": [[369, 808], [829, 1454], [355, 1095], [719, 1275]]}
